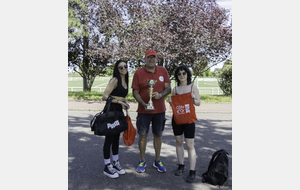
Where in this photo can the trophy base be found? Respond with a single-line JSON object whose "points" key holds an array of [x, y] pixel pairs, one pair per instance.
{"points": [[150, 107]]}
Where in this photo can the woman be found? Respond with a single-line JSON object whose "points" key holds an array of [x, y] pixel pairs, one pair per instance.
{"points": [[118, 89], [184, 85]]}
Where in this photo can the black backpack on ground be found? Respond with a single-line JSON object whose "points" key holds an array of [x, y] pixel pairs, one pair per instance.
{"points": [[217, 172]]}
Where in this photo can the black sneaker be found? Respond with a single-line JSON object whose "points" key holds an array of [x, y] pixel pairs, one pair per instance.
{"points": [[191, 176], [110, 172], [180, 170], [117, 167]]}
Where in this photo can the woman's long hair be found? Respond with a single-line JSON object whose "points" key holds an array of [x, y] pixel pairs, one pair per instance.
{"points": [[117, 74], [188, 72]]}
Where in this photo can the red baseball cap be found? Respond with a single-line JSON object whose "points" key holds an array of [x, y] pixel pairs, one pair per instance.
{"points": [[150, 52]]}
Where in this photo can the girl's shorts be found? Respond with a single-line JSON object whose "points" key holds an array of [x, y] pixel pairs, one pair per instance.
{"points": [[187, 129]]}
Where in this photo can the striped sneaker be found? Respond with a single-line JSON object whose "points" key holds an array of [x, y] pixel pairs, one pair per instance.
{"points": [[141, 167], [110, 172], [159, 166], [117, 167]]}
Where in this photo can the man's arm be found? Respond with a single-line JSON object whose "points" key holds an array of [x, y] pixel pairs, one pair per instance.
{"points": [[138, 98], [164, 93]]}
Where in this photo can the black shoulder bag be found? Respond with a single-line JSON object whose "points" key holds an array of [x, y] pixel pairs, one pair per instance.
{"points": [[108, 122]]}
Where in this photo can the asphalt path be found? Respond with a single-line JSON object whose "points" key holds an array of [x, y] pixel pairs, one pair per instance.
{"points": [[85, 155]]}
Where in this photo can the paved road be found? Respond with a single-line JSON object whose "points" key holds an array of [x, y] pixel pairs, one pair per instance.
{"points": [[85, 157]]}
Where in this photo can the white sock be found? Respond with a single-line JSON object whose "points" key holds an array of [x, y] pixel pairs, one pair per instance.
{"points": [[107, 161], [115, 157]]}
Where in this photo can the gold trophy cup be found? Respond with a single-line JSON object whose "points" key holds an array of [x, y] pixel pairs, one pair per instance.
{"points": [[151, 83]]}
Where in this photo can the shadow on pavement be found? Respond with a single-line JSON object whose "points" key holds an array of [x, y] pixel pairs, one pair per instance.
{"points": [[85, 155]]}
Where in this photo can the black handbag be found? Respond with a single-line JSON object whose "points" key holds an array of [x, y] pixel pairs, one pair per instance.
{"points": [[108, 121]]}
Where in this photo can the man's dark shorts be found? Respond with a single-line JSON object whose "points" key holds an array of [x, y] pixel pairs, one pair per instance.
{"points": [[143, 123]]}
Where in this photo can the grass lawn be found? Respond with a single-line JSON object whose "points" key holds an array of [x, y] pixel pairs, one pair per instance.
{"points": [[98, 96], [101, 82]]}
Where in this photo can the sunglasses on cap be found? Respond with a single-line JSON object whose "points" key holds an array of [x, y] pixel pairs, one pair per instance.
{"points": [[121, 67], [183, 73]]}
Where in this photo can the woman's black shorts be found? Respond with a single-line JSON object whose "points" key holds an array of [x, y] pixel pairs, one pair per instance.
{"points": [[187, 129]]}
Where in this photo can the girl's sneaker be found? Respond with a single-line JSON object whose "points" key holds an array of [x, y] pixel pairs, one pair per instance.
{"points": [[180, 170], [117, 167], [110, 172], [191, 176]]}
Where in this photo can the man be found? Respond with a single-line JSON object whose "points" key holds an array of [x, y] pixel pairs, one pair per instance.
{"points": [[146, 115]]}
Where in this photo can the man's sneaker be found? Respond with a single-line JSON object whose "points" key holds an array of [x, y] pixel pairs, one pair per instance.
{"points": [[141, 166], [159, 166], [117, 167], [191, 176], [110, 172], [180, 170]]}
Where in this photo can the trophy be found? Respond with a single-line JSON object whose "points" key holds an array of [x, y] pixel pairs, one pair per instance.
{"points": [[151, 83]]}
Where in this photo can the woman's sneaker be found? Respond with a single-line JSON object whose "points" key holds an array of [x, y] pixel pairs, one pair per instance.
{"points": [[141, 166], [180, 170], [191, 176], [159, 166], [110, 172], [117, 167]]}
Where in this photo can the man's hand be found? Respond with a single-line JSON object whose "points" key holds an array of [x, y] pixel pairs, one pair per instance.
{"points": [[145, 106], [155, 95]]}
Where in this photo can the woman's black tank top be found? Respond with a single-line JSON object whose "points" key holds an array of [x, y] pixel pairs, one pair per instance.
{"points": [[119, 91]]}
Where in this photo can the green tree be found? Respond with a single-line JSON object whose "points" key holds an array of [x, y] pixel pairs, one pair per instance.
{"points": [[109, 71], [206, 73], [190, 32], [91, 27], [217, 70], [225, 80], [227, 63], [107, 31], [198, 33]]}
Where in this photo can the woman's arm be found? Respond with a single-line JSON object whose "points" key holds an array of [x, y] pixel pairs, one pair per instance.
{"points": [[195, 95], [112, 84]]}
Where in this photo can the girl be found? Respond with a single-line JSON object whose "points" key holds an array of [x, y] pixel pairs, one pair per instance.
{"points": [[184, 85]]}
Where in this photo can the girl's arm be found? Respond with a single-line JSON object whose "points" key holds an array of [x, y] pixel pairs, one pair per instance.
{"points": [[195, 95]]}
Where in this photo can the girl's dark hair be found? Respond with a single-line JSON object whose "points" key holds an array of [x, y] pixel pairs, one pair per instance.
{"points": [[188, 72], [117, 74]]}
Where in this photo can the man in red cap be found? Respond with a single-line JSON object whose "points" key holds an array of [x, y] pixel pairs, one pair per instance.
{"points": [[156, 116]]}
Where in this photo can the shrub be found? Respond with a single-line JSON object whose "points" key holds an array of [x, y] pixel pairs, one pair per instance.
{"points": [[225, 80]]}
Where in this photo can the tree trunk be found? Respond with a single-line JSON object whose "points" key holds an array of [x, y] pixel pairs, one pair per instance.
{"points": [[85, 85], [85, 65]]}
